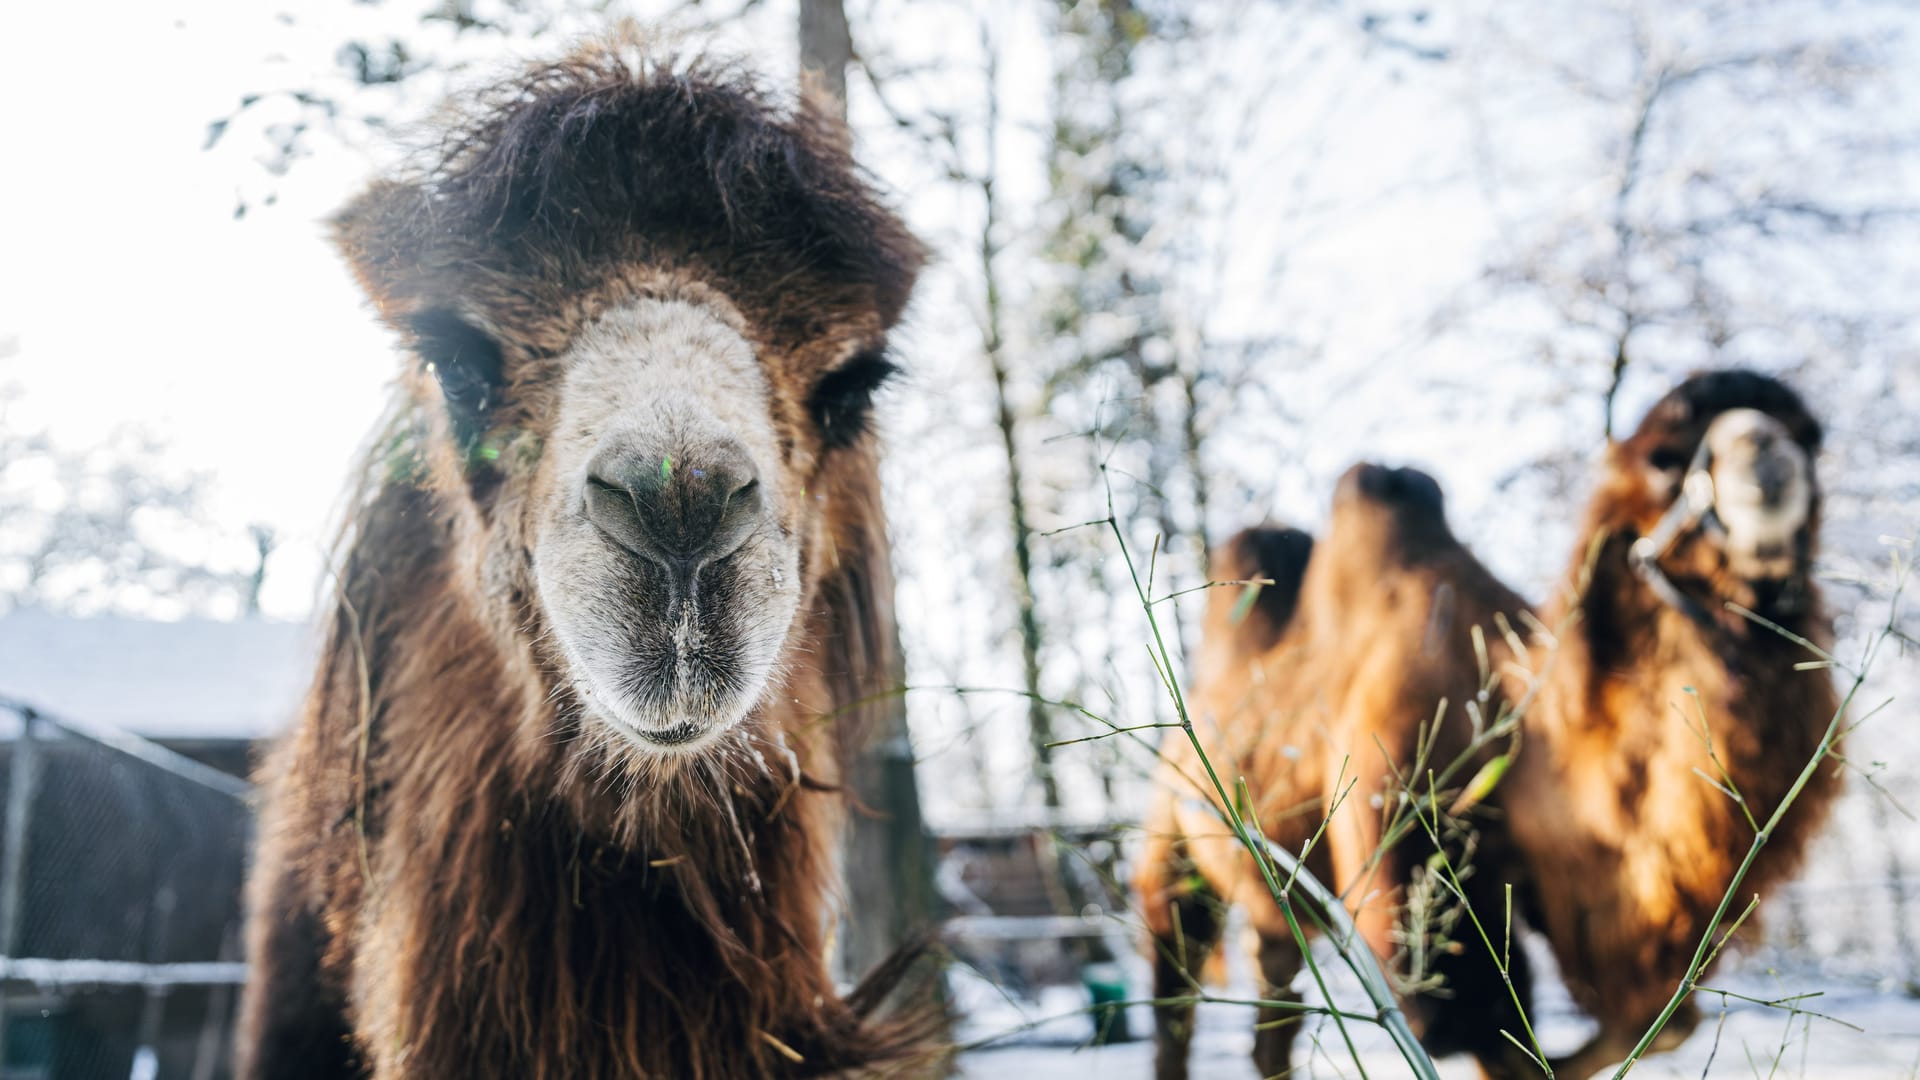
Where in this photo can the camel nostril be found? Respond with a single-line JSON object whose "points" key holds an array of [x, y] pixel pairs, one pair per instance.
{"points": [[739, 514], [602, 486], [1773, 477], [613, 509], [681, 510], [747, 495]]}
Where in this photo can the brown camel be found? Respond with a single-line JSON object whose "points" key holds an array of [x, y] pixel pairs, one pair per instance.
{"points": [[1659, 694], [1617, 847], [562, 802], [1343, 659]]}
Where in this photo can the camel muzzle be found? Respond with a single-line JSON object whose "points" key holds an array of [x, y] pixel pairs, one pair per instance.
{"points": [[1763, 492]]}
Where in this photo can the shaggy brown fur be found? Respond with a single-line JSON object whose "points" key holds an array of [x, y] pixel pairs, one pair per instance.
{"points": [[459, 874], [1629, 849], [1303, 703]]}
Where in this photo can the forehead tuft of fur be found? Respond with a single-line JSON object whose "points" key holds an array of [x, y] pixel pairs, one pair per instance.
{"points": [[617, 155], [1683, 414]]}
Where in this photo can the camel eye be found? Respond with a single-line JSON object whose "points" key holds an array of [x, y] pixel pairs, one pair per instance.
{"points": [[467, 365], [1668, 459], [842, 403]]}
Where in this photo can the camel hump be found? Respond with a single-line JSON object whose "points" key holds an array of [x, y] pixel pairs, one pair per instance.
{"points": [[1686, 410], [1407, 490], [1273, 559], [1385, 517]]}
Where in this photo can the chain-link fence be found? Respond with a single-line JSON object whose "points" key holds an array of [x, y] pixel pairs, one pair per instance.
{"points": [[120, 870]]}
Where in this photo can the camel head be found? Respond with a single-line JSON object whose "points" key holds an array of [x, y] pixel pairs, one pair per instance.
{"points": [[1718, 481], [647, 309]]}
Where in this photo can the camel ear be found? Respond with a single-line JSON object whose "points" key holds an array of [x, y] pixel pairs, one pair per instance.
{"points": [[384, 239]]}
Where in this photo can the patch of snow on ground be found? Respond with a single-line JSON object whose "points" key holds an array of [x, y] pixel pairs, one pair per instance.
{"points": [[1048, 1039]]}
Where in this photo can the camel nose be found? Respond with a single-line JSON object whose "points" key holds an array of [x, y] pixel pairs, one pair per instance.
{"points": [[679, 512]]}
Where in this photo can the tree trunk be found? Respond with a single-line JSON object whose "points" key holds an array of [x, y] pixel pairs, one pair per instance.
{"points": [[826, 48], [1065, 887], [993, 344], [888, 858]]}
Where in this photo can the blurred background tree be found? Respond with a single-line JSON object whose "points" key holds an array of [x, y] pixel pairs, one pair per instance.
{"points": [[109, 529]]}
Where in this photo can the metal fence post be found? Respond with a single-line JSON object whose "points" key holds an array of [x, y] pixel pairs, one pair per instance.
{"points": [[23, 777]]}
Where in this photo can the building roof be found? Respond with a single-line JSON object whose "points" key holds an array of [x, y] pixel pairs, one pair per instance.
{"points": [[195, 678]]}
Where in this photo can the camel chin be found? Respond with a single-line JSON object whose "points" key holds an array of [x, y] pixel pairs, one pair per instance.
{"points": [[1763, 492]]}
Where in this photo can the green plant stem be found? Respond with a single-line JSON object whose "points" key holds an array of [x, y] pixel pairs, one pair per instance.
{"points": [[1504, 958], [1374, 982]]}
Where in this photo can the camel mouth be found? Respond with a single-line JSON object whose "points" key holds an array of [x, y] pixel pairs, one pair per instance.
{"points": [[678, 737], [675, 714], [671, 668]]}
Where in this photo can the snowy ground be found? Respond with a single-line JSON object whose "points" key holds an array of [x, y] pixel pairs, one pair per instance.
{"points": [[1754, 1041]]}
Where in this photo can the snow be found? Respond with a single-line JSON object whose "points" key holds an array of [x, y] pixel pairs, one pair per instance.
{"points": [[1747, 1044]]}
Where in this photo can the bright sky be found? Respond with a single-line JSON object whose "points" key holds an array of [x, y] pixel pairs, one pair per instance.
{"points": [[135, 296]]}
